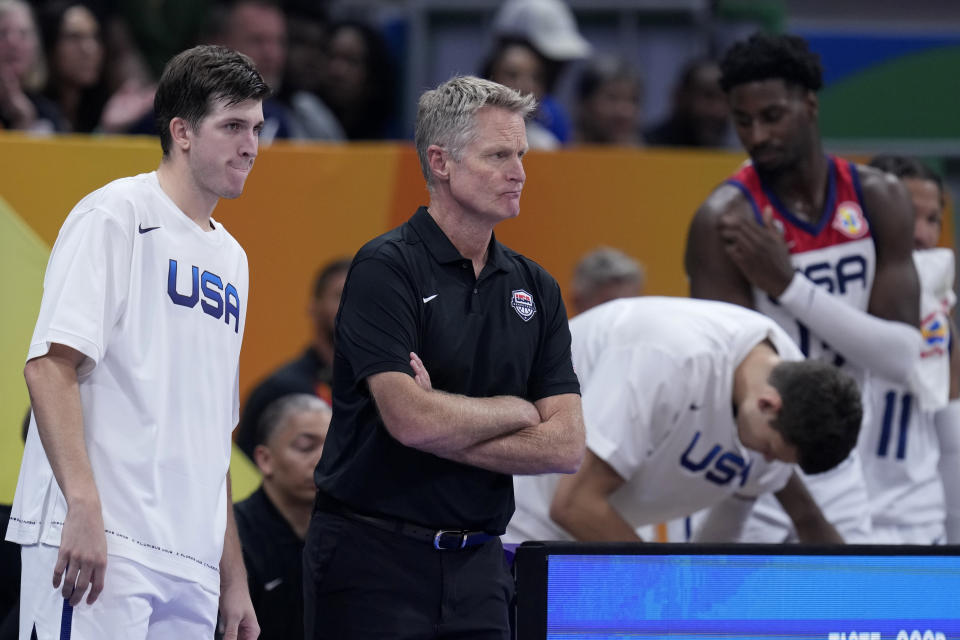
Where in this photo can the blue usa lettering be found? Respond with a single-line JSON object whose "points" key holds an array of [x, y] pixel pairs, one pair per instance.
{"points": [[836, 278], [218, 301], [720, 467]]}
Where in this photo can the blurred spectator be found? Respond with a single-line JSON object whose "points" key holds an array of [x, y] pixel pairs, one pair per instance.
{"points": [[925, 187], [605, 274], [160, 28], [300, 90], [516, 64], [22, 72], [76, 80], [306, 36], [358, 80], [701, 114], [258, 28], [548, 26], [312, 371], [609, 92], [272, 522]]}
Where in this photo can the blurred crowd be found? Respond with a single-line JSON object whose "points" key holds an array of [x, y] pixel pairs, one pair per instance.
{"points": [[90, 66]]}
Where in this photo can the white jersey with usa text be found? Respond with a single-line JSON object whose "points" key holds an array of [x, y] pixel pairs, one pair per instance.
{"points": [[656, 378], [899, 444], [838, 254], [158, 307]]}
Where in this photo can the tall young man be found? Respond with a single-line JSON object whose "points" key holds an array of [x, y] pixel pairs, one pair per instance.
{"points": [[821, 245], [123, 498]]}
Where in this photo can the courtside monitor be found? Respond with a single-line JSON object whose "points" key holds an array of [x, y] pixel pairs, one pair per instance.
{"points": [[713, 592]]}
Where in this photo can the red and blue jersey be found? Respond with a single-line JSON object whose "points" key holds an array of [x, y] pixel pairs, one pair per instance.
{"points": [[835, 252]]}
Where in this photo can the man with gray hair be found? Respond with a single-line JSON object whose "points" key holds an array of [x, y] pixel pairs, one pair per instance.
{"points": [[605, 274], [452, 372]]}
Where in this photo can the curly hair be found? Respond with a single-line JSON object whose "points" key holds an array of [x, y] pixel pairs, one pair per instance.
{"points": [[820, 413], [766, 57]]}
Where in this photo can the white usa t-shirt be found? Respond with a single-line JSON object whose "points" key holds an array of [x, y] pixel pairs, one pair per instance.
{"points": [[656, 378], [158, 307]]}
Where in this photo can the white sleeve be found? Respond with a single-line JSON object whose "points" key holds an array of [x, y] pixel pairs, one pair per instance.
{"points": [[947, 422], [625, 401], [855, 334], [85, 286]]}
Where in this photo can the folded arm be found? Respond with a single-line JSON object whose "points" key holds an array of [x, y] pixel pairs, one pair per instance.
{"points": [[502, 433], [555, 445]]}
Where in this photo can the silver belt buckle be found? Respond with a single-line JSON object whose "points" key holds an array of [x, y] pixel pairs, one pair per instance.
{"points": [[440, 533]]}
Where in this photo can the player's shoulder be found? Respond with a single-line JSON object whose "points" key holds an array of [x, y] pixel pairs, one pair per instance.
{"points": [[887, 204], [726, 198], [876, 183], [387, 246], [529, 267], [117, 200], [231, 241]]}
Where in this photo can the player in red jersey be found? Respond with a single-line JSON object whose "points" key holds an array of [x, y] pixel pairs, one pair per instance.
{"points": [[820, 244]]}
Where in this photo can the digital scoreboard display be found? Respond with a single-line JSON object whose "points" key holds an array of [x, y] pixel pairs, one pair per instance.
{"points": [[715, 592]]}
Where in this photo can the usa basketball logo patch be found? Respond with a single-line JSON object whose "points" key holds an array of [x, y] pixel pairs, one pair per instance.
{"points": [[522, 303], [849, 220]]}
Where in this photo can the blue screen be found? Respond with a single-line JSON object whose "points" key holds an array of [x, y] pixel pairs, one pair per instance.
{"points": [[753, 596]]}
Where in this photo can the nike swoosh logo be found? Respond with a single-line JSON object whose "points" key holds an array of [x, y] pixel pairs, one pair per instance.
{"points": [[273, 584], [429, 298], [147, 230]]}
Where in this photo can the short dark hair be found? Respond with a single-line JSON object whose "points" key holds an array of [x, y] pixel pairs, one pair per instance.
{"points": [[820, 412], [327, 272], [196, 78], [906, 167], [766, 57]]}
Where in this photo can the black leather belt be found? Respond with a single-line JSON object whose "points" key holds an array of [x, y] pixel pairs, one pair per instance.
{"points": [[440, 539]]}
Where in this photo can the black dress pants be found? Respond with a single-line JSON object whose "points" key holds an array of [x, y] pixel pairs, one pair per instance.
{"points": [[366, 583]]}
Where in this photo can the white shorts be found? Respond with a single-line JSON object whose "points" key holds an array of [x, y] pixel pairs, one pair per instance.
{"points": [[136, 603]]}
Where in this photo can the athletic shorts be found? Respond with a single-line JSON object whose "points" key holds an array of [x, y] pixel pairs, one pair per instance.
{"points": [[136, 603]]}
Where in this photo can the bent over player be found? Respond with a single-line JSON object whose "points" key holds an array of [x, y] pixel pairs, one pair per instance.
{"points": [[123, 497], [690, 404]]}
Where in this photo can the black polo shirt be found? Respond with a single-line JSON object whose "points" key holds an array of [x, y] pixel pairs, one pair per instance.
{"points": [[504, 333], [272, 554]]}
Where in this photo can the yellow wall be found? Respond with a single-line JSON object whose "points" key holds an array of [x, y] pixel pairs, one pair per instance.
{"points": [[307, 204]]}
